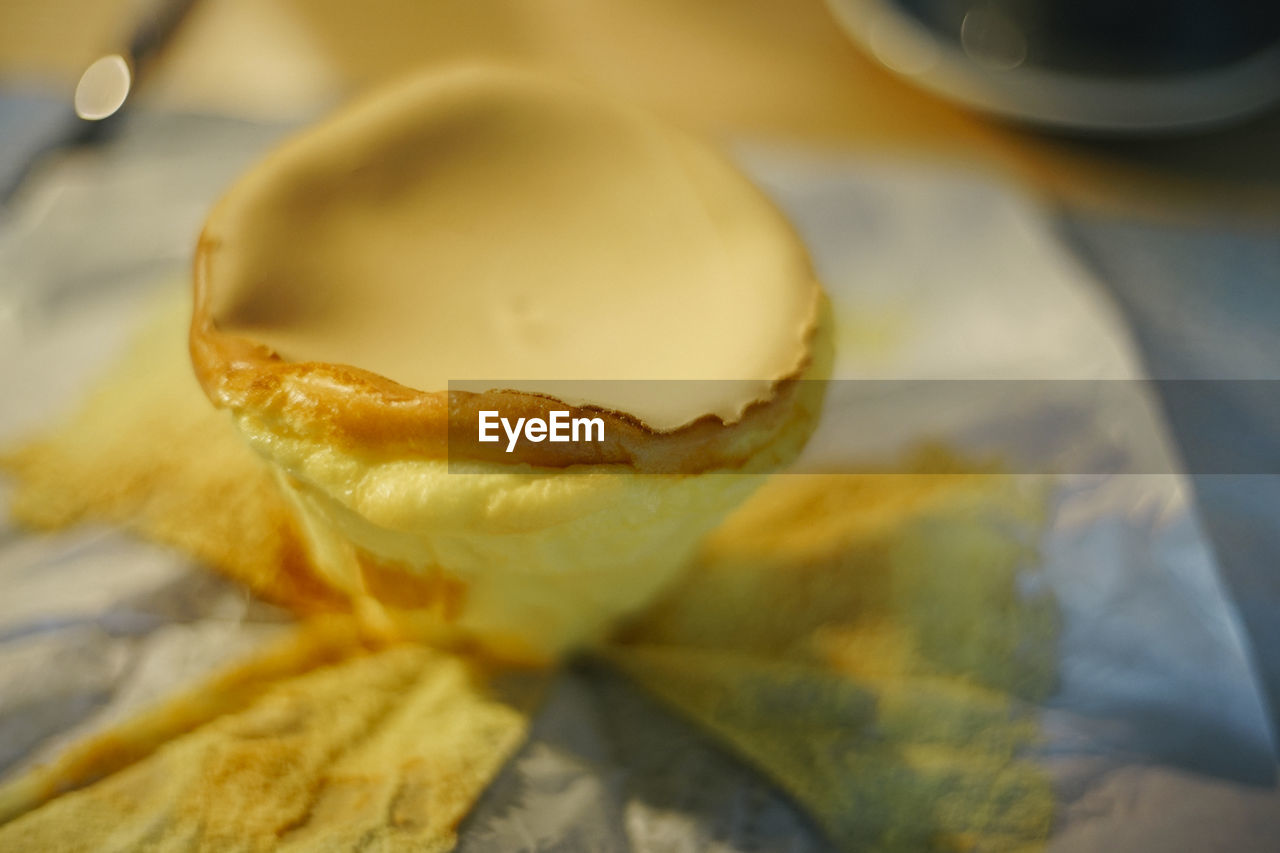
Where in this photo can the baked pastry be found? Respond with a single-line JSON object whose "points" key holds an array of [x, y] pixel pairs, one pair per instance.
{"points": [[485, 240]]}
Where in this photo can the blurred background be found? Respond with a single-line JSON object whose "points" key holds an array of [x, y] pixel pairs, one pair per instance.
{"points": [[729, 67]]}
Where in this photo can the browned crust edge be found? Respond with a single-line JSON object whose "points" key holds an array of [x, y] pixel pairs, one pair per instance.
{"points": [[368, 413]]}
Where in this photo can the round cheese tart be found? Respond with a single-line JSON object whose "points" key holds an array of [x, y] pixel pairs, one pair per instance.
{"points": [[487, 247]]}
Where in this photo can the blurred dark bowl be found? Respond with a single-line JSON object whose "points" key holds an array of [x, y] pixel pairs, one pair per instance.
{"points": [[1113, 66]]}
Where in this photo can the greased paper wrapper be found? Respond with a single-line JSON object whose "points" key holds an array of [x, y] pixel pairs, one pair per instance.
{"points": [[1156, 735]]}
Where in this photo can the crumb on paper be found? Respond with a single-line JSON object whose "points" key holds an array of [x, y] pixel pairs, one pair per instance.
{"points": [[147, 451], [860, 638], [312, 746]]}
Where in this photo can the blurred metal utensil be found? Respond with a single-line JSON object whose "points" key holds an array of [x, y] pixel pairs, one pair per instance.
{"points": [[42, 125]]}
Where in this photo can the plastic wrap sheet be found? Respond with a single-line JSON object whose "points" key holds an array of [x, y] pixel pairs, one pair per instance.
{"points": [[1157, 738]]}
